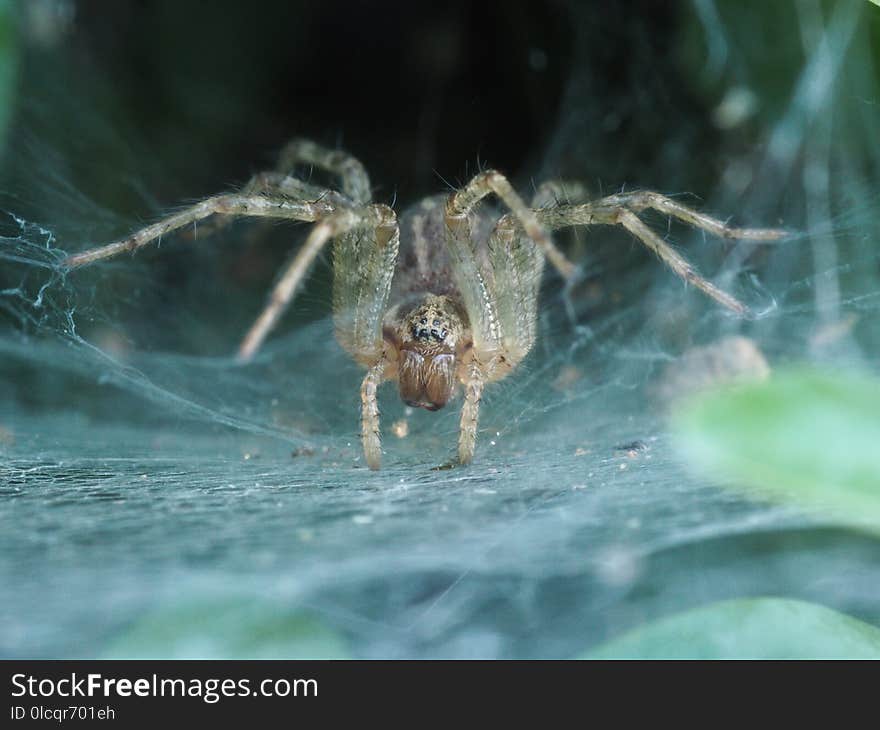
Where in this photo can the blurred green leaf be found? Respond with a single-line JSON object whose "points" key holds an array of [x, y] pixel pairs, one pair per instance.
{"points": [[756, 628], [227, 630], [8, 65], [802, 435]]}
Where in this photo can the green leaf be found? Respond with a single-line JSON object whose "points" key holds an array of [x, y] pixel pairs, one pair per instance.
{"points": [[805, 436], [756, 628], [227, 630]]}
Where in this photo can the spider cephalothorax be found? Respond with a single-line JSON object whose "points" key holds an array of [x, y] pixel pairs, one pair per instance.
{"points": [[428, 340], [461, 303]]}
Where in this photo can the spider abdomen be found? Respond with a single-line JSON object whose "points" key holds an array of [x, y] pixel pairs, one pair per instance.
{"points": [[423, 263]]}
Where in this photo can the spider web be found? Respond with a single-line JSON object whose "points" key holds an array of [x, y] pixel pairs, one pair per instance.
{"points": [[144, 469]]}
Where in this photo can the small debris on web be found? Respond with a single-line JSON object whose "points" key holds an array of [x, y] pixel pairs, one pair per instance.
{"points": [[400, 428], [632, 449]]}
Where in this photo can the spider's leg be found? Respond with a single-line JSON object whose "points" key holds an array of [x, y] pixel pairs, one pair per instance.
{"points": [[364, 261], [678, 263], [363, 266], [370, 435], [601, 213], [552, 194], [463, 201], [272, 184], [470, 412], [336, 223], [232, 205], [281, 182], [364, 257], [501, 316], [640, 200], [517, 265], [353, 175]]}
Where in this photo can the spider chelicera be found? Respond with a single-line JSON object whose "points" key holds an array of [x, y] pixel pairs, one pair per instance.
{"points": [[460, 302]]}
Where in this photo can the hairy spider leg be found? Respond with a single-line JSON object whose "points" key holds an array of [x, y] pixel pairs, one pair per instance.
{"points": [[364, 261], [616, 210], [337, 223], [351, 172], [463, 201], [232, 204], [371, 438], [268, 194], [333, 221], [474, 383], [490, 358], [517, 265], [362, 281], [637, 201], [355, 183]]}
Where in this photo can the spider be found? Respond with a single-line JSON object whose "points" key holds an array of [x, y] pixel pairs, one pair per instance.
{"points": [[460, 302]]}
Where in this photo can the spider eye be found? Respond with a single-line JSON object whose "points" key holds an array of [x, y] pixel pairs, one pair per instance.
{"points": [[436, 323], [423, 320]]}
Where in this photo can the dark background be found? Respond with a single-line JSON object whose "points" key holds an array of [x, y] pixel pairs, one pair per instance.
{"points": [[420, 92]]}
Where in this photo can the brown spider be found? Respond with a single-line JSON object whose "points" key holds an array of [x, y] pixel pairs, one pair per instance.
{"points": [[460, 303]]}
